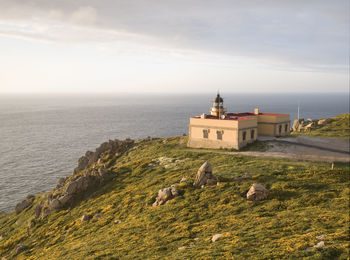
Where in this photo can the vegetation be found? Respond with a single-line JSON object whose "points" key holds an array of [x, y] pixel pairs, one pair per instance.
{"points": [[306, 200], [338, 127]]}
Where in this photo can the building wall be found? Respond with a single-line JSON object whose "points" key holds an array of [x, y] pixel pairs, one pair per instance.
{"points": [[232, 132], [268, 125]]}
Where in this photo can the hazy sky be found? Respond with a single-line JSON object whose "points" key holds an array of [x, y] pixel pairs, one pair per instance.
{"points": [[174, 46]]}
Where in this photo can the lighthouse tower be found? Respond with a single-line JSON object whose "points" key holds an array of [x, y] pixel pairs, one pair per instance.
{"points": [[218, 109]]}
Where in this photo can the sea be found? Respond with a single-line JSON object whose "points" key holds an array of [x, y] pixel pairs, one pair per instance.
{"points": [[43, 136]]}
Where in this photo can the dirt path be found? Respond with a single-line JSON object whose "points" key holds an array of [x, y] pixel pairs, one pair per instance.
{"points": [[301, 148]]}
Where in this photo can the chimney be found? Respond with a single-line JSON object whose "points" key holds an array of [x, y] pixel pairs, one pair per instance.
{"points": [[256, 111]]}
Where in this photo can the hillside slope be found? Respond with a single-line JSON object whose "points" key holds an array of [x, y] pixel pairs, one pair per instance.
{"points": [[338, 127], [306, 200]]}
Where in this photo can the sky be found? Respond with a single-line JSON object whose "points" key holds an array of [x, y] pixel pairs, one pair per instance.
{"points": [[174, 46]]}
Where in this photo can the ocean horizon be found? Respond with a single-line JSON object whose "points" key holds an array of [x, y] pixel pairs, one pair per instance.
{"points": [[43, 136]]}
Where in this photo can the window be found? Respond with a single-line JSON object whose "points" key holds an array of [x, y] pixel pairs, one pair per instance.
{"points": [[286, 128], [205, 133], [244, 135], [280, 129], [252, 133], [219, 135]]}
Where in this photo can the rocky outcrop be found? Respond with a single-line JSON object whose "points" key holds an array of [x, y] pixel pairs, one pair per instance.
{"points": [[24, 204], [90, 172], [299, 125], [205, 176], [164, 195], [257, 192]]}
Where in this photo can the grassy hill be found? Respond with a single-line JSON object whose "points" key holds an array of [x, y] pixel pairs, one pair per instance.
{"points": [[338, 127], [306, 200]]}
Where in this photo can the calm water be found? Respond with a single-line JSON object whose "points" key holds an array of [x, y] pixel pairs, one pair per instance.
{"points": [[42, 137]]}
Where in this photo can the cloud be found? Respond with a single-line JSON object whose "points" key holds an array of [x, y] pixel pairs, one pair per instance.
{"points": [[308, 34]]}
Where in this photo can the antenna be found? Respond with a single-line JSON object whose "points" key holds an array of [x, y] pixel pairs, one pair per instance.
{"points": [[298, 110]]}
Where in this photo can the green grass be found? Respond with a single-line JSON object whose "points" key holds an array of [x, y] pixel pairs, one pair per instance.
{"points": [[307, 199], [339, 127]]}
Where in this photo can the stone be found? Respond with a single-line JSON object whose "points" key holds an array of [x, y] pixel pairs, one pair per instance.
{"points": [[55, 204], [319, 244], [182, 247], [60, 182], [257, 192], [216, 237], [323, 121], [31, 223], [321, 237], [117, 221], [65, 199], [211, 182], [102, 172], [85, 217], [246, 176], [21, 248], [1, 238], [22, 205], [204, 174], [80, 184], [37, 210], [184, 179], [164, 195], [97, 216]]}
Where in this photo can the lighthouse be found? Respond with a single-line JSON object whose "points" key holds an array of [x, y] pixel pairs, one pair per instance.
{"points": [[218, 109]]}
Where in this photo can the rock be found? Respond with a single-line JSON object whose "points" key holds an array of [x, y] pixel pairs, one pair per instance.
{"points": [[182, 247], [97, 216], [22, 205], [216, 237], [174, 191], [21, 248], [164, 195], [117, 221], [37, 209], [319, 244], [309, 120], [31, 223], [65, 199], [184, 179], [203, 175], [323, 121], [45, 212], [246, 176], [1, 238], [60, 182], [308, 126], [102, 172], [321, 237], [85, 217], [196, 238], [80, 184], [55, 204], [211, 182], [257, 192]]}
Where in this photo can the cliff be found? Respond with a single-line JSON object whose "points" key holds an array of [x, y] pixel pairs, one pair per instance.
{"points": [[103, 210]]}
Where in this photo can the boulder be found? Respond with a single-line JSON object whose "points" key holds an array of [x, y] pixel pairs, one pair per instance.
{"points": [[60, 182], [22, 205], [31, 223], [37, 209], [257, 192], [216, 237], [319, 244], [184, 179], [323, 121], [80, 184], [321, 237], [97, 216], [85, 217], [65, 199], [205, 176], [164, 195], [54, 204], [21, 248]]}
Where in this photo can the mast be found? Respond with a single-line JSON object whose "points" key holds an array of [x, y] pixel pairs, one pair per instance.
{"points": [[298, 110]]}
